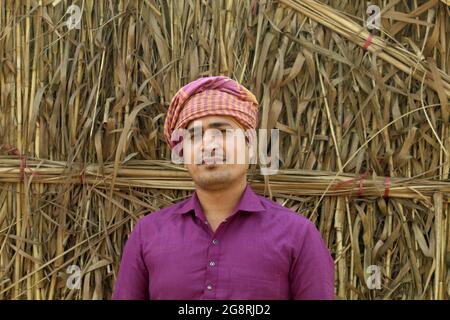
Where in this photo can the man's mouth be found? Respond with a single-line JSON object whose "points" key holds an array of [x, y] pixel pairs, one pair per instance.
{"points": [[213, 160]]}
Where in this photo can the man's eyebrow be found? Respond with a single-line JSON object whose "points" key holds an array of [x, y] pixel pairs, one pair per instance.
{"points": [[191, 130], [211, 125], [219, 124]]}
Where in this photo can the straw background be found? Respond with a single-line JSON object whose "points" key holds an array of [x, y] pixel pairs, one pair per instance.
{"points": [[364, 133]]}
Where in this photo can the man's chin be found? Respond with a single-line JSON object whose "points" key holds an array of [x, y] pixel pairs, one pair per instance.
{"points": [[210, 181]]}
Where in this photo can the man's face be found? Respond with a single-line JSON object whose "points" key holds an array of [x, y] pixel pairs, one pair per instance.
{"points": [[217, 154]]}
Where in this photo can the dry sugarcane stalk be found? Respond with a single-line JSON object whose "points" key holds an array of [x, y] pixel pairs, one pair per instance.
{"points": [[331, 102], [149, 174]]}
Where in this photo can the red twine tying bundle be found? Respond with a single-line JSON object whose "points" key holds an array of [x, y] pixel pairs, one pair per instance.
{"points": [[13, 151], [360, 178], [368, 42], [254, 7]]}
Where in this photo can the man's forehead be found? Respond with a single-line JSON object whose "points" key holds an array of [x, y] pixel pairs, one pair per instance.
{"points": [[213, 120]]}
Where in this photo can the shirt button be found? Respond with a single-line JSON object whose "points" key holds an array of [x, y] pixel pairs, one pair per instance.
{"points": [[206, 222], [212, 263], [215, 241], [209, 287]]}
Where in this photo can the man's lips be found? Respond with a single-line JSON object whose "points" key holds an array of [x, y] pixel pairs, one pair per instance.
{"points": [[214, 160]]}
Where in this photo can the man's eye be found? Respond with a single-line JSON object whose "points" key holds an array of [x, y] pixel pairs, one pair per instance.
{"points": [[199, 136], [195, 136]]}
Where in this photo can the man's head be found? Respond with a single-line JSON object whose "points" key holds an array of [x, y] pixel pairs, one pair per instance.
{"points": [[216, 151], [217, 118]]}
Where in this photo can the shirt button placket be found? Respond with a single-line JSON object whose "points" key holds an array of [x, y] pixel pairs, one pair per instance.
{"points": [[212, 270]]}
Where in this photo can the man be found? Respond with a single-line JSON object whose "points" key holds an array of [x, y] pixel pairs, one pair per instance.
{"points": [[225, 241]]}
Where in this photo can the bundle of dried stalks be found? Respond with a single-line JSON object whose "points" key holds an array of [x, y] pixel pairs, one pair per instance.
{"points": [[364, 132]]}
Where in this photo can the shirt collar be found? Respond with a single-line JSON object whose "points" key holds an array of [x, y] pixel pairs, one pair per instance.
{"points": [[248, 202]]}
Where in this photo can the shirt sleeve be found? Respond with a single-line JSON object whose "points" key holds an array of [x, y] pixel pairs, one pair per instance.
{"points": [[132, 281], [312, 269]]}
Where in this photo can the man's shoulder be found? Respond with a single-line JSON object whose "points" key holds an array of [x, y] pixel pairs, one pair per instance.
{"points": [[275, 210], [163, 214]]}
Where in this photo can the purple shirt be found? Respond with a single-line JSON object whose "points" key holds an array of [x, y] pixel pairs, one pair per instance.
{"points": [[261, 251]]}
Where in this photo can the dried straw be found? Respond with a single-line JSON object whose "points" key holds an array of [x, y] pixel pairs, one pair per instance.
{"points": [[364, 133]]}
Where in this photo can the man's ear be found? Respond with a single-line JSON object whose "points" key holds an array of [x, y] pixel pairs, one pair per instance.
{"points": [[251, 151]]}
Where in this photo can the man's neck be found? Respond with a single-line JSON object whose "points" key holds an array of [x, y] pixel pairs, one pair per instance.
{"points": [[218, 204]]}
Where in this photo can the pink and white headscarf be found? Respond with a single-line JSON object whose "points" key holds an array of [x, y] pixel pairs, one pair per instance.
{"points": [[210, 96]]}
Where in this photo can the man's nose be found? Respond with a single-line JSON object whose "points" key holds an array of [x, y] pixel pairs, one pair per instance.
{"points": [[211, 140]]}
